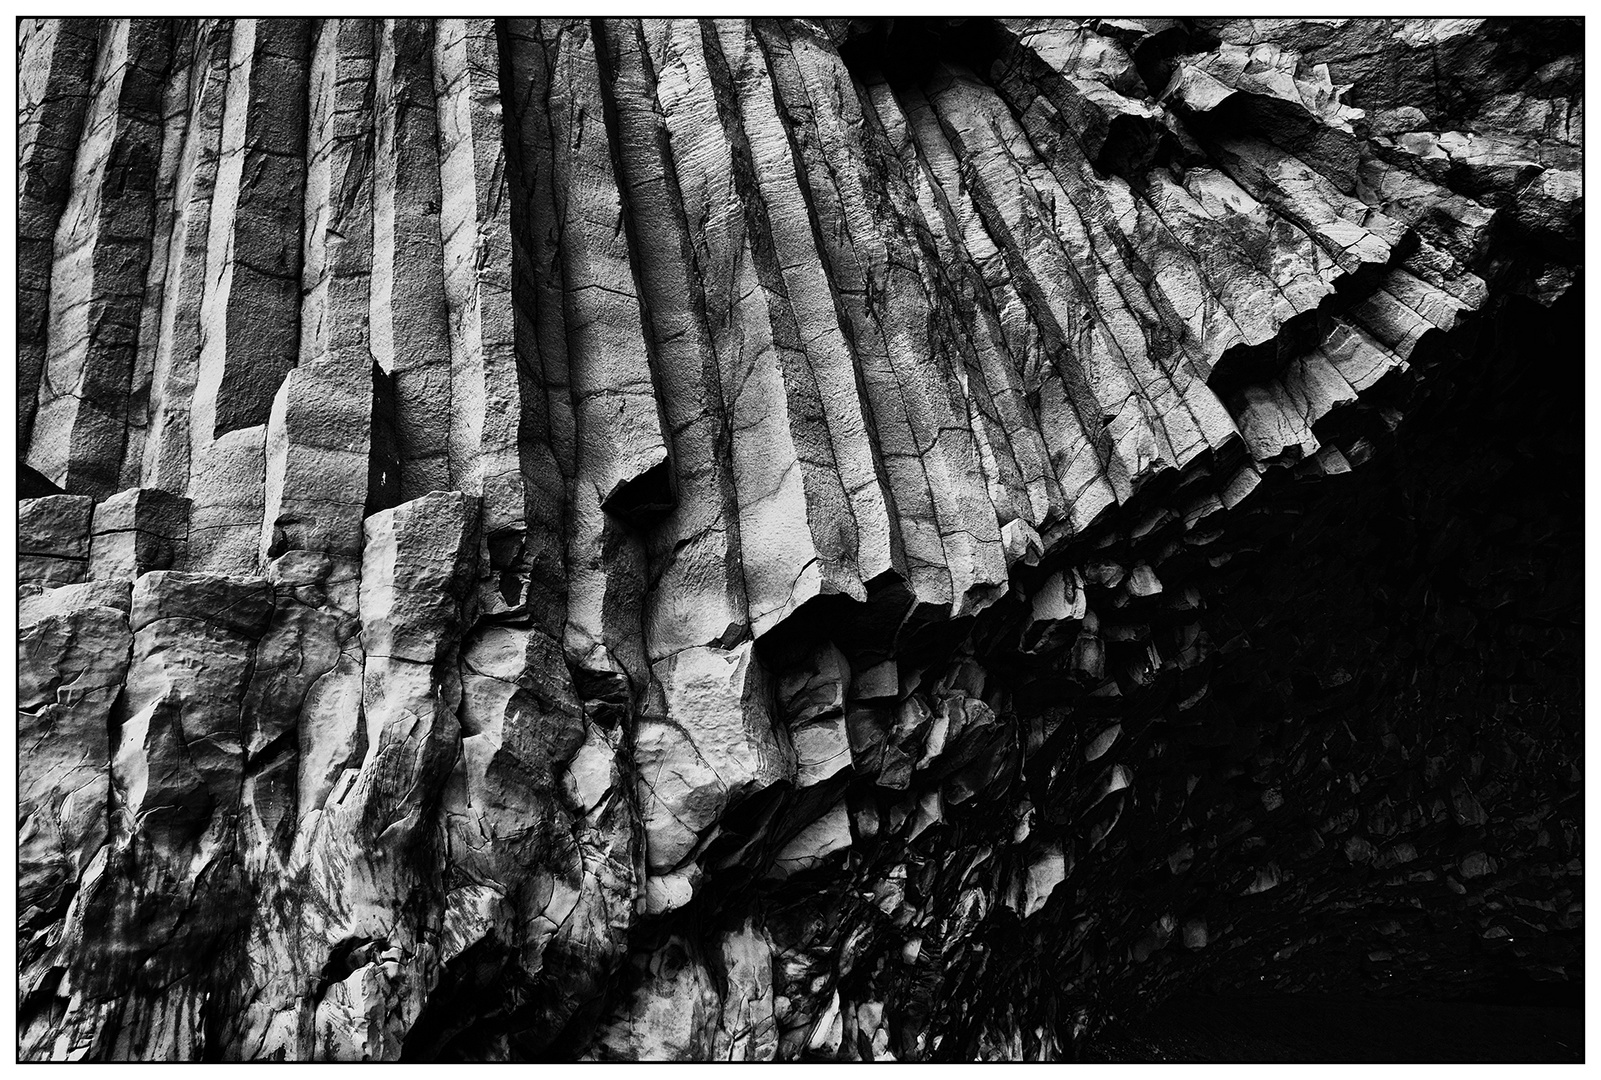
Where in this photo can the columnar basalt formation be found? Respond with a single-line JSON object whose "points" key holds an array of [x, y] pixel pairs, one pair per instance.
{"points": [[782, 538]]}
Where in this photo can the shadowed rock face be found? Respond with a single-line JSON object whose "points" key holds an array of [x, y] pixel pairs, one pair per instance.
{"points": [[799, 539]]}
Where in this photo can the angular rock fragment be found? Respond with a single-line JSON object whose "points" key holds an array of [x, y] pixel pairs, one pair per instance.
{"points": [[53, 539], [714, 746], [139, 530]]}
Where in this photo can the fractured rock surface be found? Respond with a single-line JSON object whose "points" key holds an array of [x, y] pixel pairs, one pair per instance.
{"points": [[784, 539]]}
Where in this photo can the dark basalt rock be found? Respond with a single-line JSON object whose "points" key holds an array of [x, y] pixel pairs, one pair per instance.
{"points": [[837, 539]]}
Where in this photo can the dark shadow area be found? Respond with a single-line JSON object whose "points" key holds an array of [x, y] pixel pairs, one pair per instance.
{"points": [[907, 50], [1411, 651], [1335, 1029]]}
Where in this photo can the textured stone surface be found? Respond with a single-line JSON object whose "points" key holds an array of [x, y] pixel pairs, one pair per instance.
{"points": [[827, 539], [53, 538]]}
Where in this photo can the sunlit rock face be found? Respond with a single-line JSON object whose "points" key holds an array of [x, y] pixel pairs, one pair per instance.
{"points": [[788, 539]]}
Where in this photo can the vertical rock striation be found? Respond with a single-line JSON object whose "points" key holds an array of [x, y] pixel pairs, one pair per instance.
{"points": [[784, 538]]}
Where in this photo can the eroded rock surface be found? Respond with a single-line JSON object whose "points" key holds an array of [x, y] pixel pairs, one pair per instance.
{"points": [[787, 539]]}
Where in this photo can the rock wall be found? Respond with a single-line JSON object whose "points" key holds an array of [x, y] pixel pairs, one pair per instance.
{"points": [[827, 539]]}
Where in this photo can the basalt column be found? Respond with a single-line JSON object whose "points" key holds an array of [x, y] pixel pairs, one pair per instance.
{"points": [[789, 539]]}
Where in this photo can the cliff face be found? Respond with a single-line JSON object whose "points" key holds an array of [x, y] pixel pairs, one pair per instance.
{"points": [[802, 539]]}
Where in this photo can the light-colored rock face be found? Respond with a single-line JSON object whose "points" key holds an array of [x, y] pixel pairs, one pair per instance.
{"points": [[712, 539], [72, 666], [716, 746]]}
